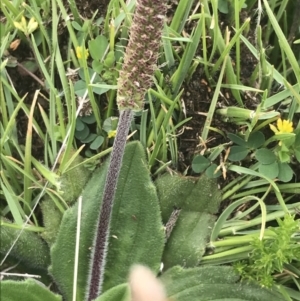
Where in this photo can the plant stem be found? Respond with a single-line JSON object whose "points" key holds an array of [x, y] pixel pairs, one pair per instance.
{"points": [[135, 78], [102, 233]]}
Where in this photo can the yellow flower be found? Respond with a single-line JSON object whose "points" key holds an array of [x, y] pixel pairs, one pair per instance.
{"points": [[32, 25], [112, 134], [27, 29], [81, 52], [283, 127]]}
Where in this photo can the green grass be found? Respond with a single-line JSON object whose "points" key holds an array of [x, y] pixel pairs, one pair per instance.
{"points": [[205, 43]]}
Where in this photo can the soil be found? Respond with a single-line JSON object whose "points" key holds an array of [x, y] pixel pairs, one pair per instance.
{"points": [[197, 96], [198, 92], [25, 84]]}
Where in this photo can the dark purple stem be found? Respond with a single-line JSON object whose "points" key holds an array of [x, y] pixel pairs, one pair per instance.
{"points": [[102, 234]]}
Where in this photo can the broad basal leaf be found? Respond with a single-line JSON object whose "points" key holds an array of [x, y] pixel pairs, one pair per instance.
{"points": [[212, 283], [28, 290], [136, 231], [188, 240], [198, 199], [30, 249], [117, 293], [188, 193]]}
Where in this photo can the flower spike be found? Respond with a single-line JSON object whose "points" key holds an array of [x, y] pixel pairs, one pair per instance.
{"points": [[136, 76]]}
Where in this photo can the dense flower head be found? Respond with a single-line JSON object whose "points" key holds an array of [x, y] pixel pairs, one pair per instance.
{"points": [[136, 76]]}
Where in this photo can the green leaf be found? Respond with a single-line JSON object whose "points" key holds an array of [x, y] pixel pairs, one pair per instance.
{"points": [[97, 66], [285, 172], [83, 134], [200, 163], [80, 87], [211, 171], [256, 140], [101, 88], [90, 119], [269, 170], [223, 6], [98, 47], [110, 59], [91, 74], [117, 293], [79, 125], [297, 155], [76, 26], [51, 220], [238, 153], [110, 124], [189, 193], [188, 240], [73, 181], [136, 235], [30, 249], [237, 139], [288, 141], [136, 220], [213, 283], [97, 143], [198, 199], [284, 156], [91, 137], [265, 156], [31, 66], [297, 146], [28, 290], [287, 138]]}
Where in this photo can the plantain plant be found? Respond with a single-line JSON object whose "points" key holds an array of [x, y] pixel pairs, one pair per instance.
{"points": [[127, 219], [142, 213]]}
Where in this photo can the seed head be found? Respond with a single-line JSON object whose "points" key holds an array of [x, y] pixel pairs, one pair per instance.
{"points": [[142, 51]]}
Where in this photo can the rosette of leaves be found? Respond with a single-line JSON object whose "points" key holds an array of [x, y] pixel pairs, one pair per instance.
{"points": [[137, 236]]}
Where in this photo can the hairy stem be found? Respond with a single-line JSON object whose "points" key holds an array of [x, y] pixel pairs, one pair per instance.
{"points": [[102, 233], [135, 78]]}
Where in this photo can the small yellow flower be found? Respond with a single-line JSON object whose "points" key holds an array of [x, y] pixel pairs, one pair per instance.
{"points": [[21, 25], [26, 28], [81, 52], [112, 134], [283, 127], [32, 25]]}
